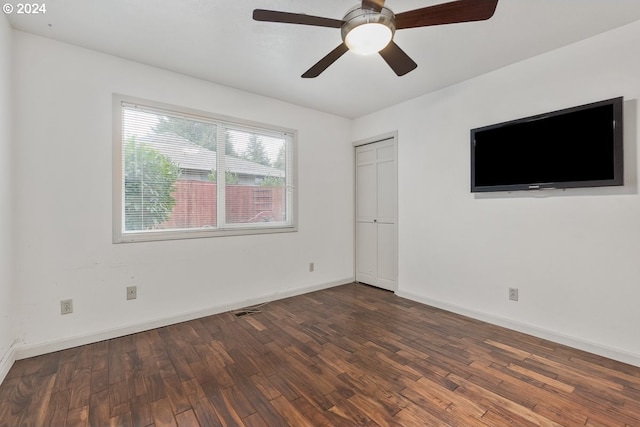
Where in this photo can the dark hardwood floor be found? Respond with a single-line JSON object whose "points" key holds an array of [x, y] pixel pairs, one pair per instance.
{"points": [[347, 356]]}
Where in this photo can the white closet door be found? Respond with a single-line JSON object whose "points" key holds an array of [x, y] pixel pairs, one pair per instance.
{"points": [[376, 207]]}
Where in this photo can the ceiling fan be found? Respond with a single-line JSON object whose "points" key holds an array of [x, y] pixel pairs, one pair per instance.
{"points": [[369, 28]]}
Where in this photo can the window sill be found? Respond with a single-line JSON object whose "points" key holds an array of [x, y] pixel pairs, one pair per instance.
{"points": [[152, 236]]}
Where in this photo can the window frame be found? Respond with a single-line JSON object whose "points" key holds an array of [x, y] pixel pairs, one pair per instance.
{"points": [[234, 229]]}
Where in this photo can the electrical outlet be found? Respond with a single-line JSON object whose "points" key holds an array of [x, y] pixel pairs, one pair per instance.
{"points": [[66, 306], [513, 294], [132, 292], [312, 267]]}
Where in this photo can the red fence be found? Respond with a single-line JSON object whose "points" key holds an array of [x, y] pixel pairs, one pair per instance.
{"points": [[196, 204]]}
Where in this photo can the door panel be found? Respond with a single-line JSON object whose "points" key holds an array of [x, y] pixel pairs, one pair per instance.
{"points": [[386, 192], [387, 259], [366, 156], [366, 193], [385, 151], [376, 207], [366, 252]]}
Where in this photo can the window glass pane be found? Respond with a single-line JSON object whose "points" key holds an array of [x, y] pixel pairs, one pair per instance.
{"points": [[255, 178], [168, 163]]}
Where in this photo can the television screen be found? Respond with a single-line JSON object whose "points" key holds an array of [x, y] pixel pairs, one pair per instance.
{"points": [[574, 147]]}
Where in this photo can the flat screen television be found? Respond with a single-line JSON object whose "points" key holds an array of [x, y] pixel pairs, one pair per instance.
{"points": [[575, 147]]}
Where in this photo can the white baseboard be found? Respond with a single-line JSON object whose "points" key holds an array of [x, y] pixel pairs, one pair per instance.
{"points": [[6, 362], [591, 347], [23, 352]]}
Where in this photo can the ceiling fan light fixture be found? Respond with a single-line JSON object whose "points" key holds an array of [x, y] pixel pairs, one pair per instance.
{"points": [[366, 32], [369, 38]]}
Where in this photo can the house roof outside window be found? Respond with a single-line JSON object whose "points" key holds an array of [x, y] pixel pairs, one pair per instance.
{"points": [[193, 157]]}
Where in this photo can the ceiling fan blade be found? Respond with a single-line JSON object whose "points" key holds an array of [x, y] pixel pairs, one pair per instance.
{"points": [[375, 5], [295, 18], [399, 61], [447, 13], [324, 63]]}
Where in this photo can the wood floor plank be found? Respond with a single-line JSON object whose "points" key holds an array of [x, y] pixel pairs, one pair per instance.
{"points": [[187, 419], [222, 407], [50, 365], [205, 413], [56, 413], [347, 413], [141, 410], [155, 387], [265, 386], [255, 420], [351, 355], [80, 388], [100, 355], [99, 412], [15, 396], [238, 401], [317, 417], [262, 405], [176, 394], [121, 420], [289, 412], [162, 413], [64, 376], [99, 380], [78, 417], [39, 401]]}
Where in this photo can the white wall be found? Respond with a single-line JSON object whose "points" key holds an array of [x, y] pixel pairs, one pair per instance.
{"points": [[6, 261], [574, 254], [63, 143]]}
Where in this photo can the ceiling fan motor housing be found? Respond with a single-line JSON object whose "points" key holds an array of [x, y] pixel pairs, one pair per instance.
{"points": [[357, 16]]}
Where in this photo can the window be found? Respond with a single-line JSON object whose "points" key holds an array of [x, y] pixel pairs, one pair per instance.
{"points": [[181, 173]]}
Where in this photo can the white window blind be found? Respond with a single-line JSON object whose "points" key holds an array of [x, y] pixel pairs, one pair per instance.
{"points": [[188, 174]]}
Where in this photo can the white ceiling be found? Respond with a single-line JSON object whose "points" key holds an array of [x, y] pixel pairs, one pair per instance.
{"points": [[217, 40]]}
